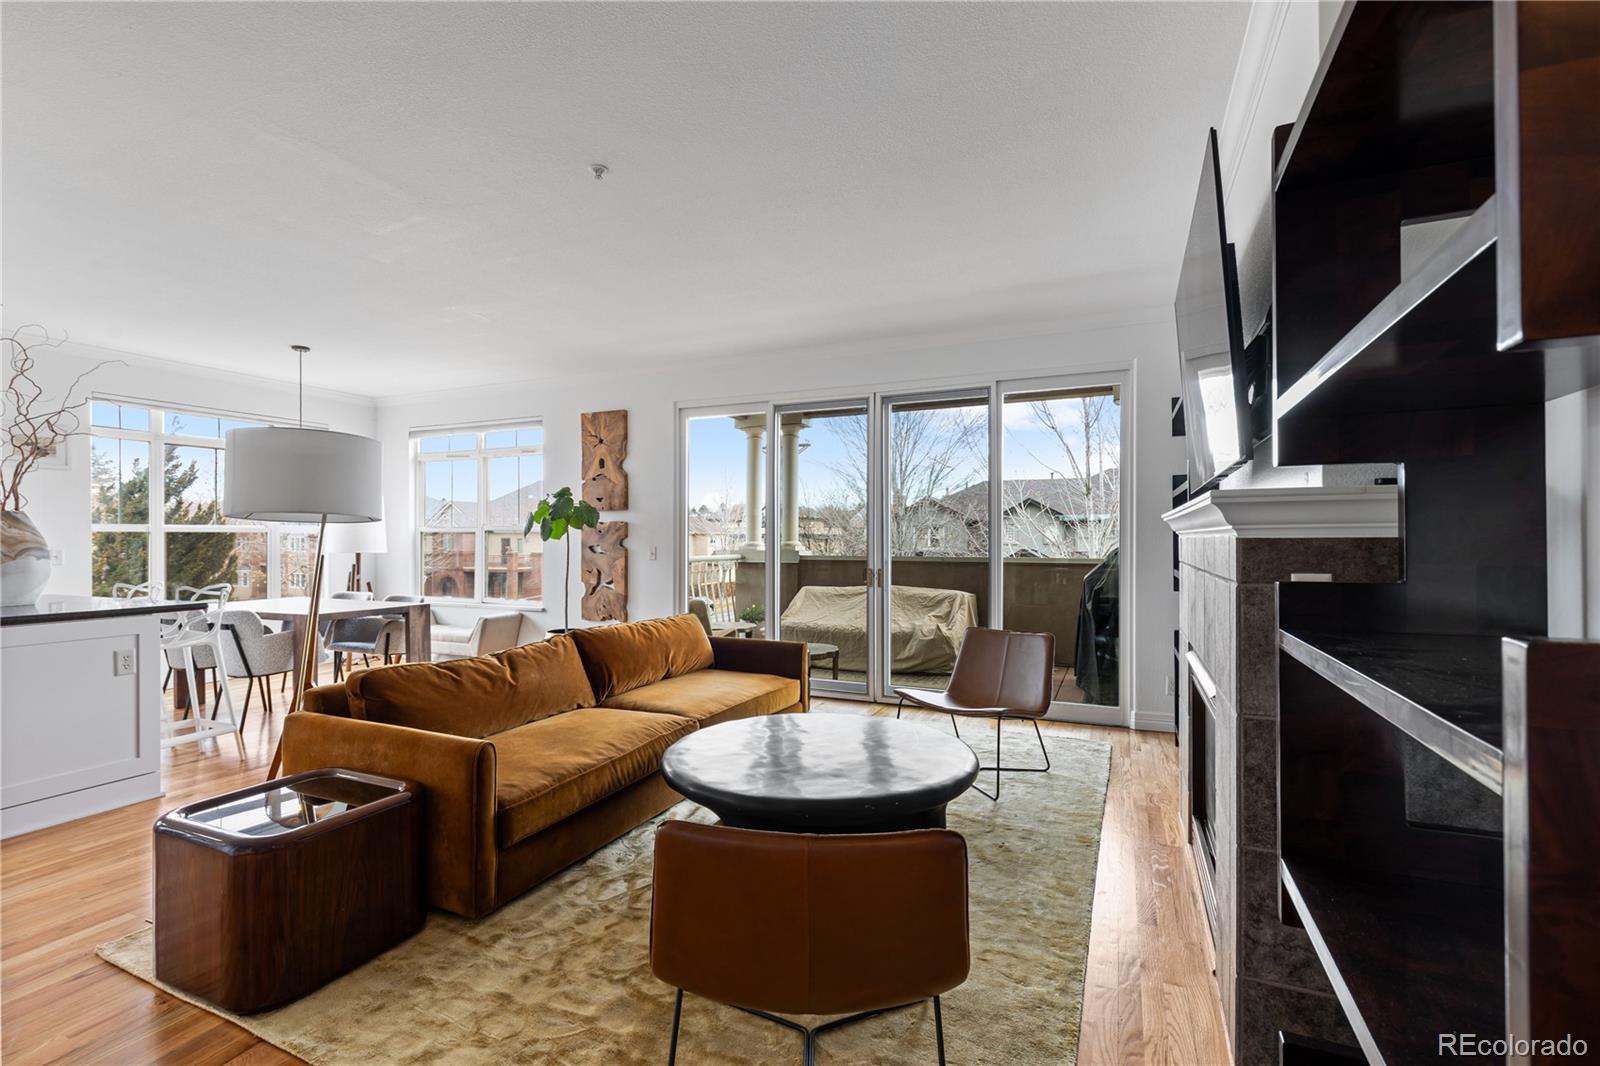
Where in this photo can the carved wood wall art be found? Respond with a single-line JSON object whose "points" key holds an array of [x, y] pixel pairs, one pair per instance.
{"points": [[605, 448], [605, 573]]}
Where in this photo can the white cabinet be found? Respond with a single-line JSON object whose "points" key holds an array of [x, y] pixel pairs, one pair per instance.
{"points": [[76, 736]]}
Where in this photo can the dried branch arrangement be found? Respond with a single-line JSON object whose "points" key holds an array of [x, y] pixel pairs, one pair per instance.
{"points": [[35, 427]]}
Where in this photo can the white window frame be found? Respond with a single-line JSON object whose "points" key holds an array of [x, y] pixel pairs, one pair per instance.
{"points": [[481, 530], [155, 528]]}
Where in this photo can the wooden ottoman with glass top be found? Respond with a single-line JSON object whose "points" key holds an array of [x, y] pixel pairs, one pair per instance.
{"points": [[265, 894]]}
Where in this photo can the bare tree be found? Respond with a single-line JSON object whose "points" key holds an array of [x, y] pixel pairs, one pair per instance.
{"points": [[34, 428], [1086, 460], [932, 454], [938, 484]]}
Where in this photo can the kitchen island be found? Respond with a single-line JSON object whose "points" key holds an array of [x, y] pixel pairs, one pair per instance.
{"points": [[80, 707]]}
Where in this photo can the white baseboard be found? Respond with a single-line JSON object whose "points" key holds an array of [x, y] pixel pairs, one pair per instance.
{"points": [[70, 806], [1155, 721], [1085, 714]]}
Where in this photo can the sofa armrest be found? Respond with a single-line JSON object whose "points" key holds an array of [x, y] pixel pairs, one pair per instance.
{"points": [[331, 700], [457, 775], [782, 658]]}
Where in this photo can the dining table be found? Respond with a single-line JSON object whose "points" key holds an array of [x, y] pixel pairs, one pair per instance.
{"points": [[294, 611]]}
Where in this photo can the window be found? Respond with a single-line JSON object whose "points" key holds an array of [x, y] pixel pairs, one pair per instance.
{"points": [[475, 489], [170, 529]]}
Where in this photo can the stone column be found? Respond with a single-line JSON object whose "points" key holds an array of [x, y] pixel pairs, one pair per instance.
{"points": [[754, 427], [791, 483]]}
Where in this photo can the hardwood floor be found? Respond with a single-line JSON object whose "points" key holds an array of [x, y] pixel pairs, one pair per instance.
{"points": [[1149, 995]]}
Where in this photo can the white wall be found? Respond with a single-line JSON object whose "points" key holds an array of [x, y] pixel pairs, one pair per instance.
{"points": [[652, 401], [58, 500]]}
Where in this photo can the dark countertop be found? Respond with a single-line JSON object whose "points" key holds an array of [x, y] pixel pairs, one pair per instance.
{"points": [[81, 608]]}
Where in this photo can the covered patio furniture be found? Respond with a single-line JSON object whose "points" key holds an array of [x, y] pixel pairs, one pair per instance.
{"points": [[925, 625]]}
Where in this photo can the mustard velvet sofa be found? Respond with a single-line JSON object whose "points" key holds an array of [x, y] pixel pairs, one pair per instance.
{"points": [[533, 758]]}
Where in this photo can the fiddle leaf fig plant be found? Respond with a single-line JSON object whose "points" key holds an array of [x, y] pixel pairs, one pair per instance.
{"points": [[556, 514]]}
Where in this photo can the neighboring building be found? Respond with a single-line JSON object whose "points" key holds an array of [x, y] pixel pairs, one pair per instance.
{"points": [[715, 532]]}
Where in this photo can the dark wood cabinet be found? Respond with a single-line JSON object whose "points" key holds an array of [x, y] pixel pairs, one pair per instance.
{"points": [[265, 894], [1437, 280]]}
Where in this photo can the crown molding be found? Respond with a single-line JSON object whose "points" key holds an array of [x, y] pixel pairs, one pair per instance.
{"points": [[1262, 33], [287, 386]]}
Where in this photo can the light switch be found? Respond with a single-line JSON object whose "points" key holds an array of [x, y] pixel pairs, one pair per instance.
{"points": [[123, 662], [652, 553], [55, 556]]}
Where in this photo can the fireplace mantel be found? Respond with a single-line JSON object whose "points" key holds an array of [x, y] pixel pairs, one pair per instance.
{"points": [[1235, 547], [1291, 512]]}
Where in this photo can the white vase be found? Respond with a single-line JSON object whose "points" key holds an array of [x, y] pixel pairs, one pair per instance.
{"points": [[24, 560]]}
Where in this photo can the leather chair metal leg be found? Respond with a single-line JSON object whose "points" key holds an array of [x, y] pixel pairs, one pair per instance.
{"points": [[677, 1017], [809, 1034], [998, 769]]}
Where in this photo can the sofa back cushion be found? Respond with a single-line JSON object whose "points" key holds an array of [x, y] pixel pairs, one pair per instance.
{"points": [[622, 658], [476, 697]]}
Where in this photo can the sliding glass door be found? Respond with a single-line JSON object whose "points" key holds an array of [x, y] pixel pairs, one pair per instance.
{"points": [[725, 533], [879, 529], [826, 588], [1060, 518], [935, 477]]}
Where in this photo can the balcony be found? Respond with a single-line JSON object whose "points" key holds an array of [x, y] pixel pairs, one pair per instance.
{"points": [[1041, 595]]}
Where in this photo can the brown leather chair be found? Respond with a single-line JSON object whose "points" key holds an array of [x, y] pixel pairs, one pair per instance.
{"points": [[999, 674], [807, 931]]}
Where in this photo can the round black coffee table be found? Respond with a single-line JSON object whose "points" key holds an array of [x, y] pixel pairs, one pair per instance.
{"points": [[822, 773]]}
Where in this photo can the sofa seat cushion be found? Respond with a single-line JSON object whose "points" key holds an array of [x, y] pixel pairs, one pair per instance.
{"points": [[475, 697], [711, 696], [553, 768], [634, 654]]}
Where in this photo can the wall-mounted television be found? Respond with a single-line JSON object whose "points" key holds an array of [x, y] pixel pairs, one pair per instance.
{"points": [[1211, 348]]}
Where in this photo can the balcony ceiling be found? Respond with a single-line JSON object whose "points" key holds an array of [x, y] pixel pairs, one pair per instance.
{"points": [[406, 187]]}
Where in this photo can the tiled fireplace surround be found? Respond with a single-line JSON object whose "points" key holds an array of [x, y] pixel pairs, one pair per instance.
{"points": [[1234, 547]]}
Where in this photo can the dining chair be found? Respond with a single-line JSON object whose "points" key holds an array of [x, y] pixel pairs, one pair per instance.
{"points": [[195, 639], [252, 651], [365, 636], [380, 635], [807, 931], [122, 590], [999, 674], [700, 607], [218, 593]]}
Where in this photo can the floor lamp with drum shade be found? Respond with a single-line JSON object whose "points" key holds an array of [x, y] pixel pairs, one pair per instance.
{"points": [[295, 474]]}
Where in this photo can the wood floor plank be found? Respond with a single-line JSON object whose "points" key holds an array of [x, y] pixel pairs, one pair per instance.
{"points": [[1149, 993]]}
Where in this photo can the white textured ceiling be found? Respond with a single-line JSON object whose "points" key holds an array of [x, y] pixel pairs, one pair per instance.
{"points": [[406, 187]]}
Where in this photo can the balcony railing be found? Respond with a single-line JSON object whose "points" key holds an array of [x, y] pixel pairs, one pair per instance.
{"points": [[1041, 595], [715, 578]]}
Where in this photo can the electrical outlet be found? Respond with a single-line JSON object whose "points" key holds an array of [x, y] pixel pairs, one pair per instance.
{"points": [[55, 557], [122, 662], [1169, 684]]}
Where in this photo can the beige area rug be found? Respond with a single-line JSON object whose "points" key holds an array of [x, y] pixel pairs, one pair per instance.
{"points": [[561, 975]]}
